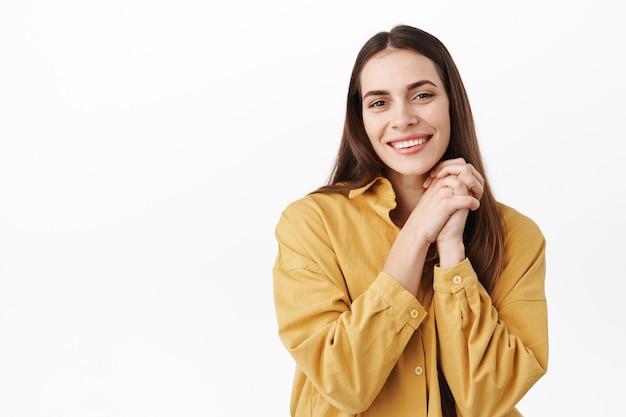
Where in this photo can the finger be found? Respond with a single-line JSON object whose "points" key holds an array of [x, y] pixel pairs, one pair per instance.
{"points": [[450, 185], [458, 169], [436, 172], [457, 193], [460, 199], [476, 174], [465, 172], [468, 201], [441, 165], [474, 186]]}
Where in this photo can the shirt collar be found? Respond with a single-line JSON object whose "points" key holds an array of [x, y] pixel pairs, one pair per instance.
{"points": [[379, 195], [381, 186]]}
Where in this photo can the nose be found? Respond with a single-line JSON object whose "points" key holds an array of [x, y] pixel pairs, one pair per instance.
{"points": [[404, 116]]}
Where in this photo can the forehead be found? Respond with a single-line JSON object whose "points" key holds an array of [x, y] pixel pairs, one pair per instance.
{"points": [[398, 67]]}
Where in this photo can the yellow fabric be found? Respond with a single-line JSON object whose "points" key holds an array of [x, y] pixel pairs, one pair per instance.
{"points": [[365, 346]]}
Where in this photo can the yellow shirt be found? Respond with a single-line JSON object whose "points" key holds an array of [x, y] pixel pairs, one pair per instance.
{"points": [[365, 346]]}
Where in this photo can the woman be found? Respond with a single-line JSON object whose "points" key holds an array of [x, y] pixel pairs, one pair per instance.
{"points": [[402, 287]]}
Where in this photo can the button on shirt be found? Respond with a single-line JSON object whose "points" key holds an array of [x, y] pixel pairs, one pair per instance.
{"points": [[363, 344]]}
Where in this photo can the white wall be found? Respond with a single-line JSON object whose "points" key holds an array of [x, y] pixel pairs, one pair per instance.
{"points": [[148, 147]]}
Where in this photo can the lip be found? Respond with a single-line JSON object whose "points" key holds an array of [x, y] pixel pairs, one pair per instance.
{"points": [[412, 143]]}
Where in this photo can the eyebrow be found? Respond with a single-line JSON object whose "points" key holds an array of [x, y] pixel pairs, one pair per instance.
{"points": [[409, 87]]}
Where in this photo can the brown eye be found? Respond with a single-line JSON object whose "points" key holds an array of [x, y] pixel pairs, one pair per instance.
{"points": [[423, 96]]}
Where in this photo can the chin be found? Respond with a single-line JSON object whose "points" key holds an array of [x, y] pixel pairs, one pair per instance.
{"points": [[410, 173], [413, 170]]}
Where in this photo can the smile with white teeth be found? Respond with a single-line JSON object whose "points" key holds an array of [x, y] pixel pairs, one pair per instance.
{"points": [[409, 143]]}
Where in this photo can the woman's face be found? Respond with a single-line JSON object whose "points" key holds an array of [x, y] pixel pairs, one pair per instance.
{"points": [[405, 111]]}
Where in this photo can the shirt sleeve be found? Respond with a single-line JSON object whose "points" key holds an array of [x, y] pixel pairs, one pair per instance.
{"points": [[346, 348], [494, 348]]}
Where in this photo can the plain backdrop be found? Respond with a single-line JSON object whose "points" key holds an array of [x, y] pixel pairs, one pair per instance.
{"points": [[147, 149]]}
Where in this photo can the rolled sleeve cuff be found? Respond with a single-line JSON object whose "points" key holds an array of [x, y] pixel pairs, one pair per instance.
{"points": [[399, 299], [451, 280]]}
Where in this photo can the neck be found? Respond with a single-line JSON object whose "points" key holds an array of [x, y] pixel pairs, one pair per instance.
{"points": [[409, 190]]}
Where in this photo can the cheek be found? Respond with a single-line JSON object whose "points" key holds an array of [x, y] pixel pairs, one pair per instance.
{"points": [[444, 126], [441, 119], [370, 128]]}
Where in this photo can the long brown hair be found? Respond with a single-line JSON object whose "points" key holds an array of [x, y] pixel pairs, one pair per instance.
{"points": [[357, 163]]}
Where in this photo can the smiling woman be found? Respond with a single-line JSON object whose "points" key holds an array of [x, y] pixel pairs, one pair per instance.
{"points": [[403, 287], [407, 121]]}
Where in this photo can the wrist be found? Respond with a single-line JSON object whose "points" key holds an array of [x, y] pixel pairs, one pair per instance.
{"points": [[450, 253]]}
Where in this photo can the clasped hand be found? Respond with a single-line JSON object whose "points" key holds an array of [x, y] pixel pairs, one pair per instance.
{"points": [[452, 189]]}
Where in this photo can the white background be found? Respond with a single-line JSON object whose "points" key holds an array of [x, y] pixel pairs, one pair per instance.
{"points": [[147, 149]]}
